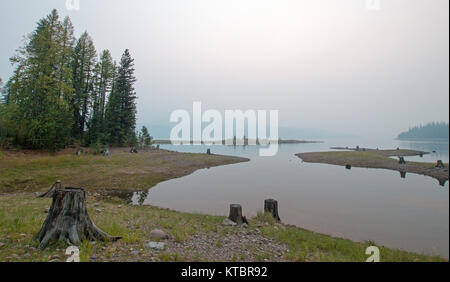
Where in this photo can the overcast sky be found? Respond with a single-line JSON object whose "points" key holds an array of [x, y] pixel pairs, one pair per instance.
{"points": [[329, 64]]}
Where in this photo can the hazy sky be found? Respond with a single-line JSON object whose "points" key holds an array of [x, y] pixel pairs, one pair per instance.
{"points": [[329, 64]]}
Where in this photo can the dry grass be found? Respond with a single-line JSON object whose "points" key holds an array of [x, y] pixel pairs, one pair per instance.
{"points": [[123, 170]]}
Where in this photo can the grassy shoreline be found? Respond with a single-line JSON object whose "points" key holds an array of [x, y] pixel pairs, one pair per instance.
{"points": [[192, 237], [370, 158]]}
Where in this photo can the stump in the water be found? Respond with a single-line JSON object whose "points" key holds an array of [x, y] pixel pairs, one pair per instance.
{"points": [[236, 214], [401, 160], [68, 220], [348, 166], [157, 147], [403, 174], [208, 152], [271, 206], [440, 164]]}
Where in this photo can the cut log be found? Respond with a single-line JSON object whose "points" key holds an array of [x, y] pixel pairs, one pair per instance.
{"points": [[271, 206], [236, 214], [68, 220]]}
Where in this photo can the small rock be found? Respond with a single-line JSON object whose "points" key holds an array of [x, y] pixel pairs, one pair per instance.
{"points": [[158, 234], [119, 206], [228, 222], [98, 210], [159, 246]]}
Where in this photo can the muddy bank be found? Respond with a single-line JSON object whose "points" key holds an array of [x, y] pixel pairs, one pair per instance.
{"points": [[374, 158]]}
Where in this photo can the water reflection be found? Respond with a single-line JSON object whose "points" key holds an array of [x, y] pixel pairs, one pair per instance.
{"points": [[361, 204]]}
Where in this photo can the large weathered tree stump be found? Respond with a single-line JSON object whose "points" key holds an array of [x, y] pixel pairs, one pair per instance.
{"points": [[208, 151], [271, 206], [236, 214], [68, 219]]}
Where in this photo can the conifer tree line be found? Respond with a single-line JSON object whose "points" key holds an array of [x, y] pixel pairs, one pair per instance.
{"points": [[63, 92]]}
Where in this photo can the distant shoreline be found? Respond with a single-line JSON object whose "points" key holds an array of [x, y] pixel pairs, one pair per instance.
{"points": [[280, 141]]}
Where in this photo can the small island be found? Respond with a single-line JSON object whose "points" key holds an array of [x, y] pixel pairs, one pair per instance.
{"points": [[374, 158]]}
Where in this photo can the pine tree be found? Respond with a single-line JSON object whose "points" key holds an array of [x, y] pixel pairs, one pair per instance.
{"points": [[42, 118], [121, 109], [104, 73], [84, 61]]}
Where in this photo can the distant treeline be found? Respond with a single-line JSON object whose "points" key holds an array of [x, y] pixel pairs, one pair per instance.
{"points": [[434, 130], [63, 93]]}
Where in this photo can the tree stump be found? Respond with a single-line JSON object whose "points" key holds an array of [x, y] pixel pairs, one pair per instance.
{"points": [[157, 147], [68, 220], [79, 151], [271, 206], [51, 192], [440, 164], [348, 166], [133, 150], [403, 174], [208, 152], [401, 160], [106, 152], [236, 214]]}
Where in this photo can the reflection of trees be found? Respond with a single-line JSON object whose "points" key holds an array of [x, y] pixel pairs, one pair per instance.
{"points": [[436, 148]]}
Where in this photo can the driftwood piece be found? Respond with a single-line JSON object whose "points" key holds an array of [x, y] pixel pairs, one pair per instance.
{"points": [[236, 214], [271, 206], [68, 220]]}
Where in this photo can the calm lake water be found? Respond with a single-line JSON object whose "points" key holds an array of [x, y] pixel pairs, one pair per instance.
{"points": [[358, 204]]}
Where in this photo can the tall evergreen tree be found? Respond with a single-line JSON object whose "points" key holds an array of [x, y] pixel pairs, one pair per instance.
{"points": [[42, 116], [121, 115], [104, 74], [84, 61]]}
